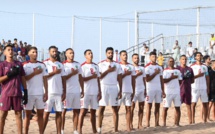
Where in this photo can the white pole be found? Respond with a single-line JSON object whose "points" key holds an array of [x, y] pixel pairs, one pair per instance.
{"points": [[33, 34], [128, 39], [198, 27], [73, 31], [177, 30], [152, 35], [136, 32], [100, 46]]}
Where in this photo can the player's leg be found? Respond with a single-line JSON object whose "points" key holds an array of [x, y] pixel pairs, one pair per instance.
{"points": [[132, 110], [63, 119], [45, 120], [128, 118], [115, 118], [195, 97], [189, 113], [27, 120], [166, 104], [100, 116], [193, 108], [75, 119], [81, 119], [58, 121], [40, 121], [75, 105], [18, 115], [177, 115], [140, 115], [93, 119], [209, 110], [204, 99], [165, 109], [148, 114], [3, 115], [158, 100], [213, 110]]}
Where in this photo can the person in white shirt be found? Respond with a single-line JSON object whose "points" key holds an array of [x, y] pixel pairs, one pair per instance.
{"points": [[147, 59], [190, 52], [92, 90], [128, 86], [111, 75], [56, 88], [154, 88], [200, 87], [116, 56], [19, 57], [36, 79], [176, 51], [171, 78], [73, 84], [142, 52], [140, 91]]}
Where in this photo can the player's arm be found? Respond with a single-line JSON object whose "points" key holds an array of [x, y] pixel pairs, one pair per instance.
{"points": [[37, 71], [119, 79], [99, 94], [71, 74], [81, 82], [133, 83], [57, 71], [3, 78], [90, 77], [151, 77], [198, 75], [162, 85], [24, 82], [45, 83], [166, 80], [105, 72], [126, 73], [64, 87], [144, 81], [208, 83]]}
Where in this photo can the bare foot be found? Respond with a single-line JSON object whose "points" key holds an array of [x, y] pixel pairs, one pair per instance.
{"points": [[140, 127]]}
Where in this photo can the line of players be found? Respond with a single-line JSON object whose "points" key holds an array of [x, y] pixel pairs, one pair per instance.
{"points": [[79, 86]]}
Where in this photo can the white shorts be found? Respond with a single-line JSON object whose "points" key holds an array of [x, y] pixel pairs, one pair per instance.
{"points": [[126, 99], [54, 101], [72, 101], [139, 96], [109, 95], [35, 100], [202, 94], [175, 98], [89, 100], [153, 95]]}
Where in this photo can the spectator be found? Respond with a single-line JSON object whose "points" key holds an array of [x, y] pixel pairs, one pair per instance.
{"points": [[19, 57], [160, 59], [9, 43], [176, 51], [116, 56], [142, 52], [3, 42], [2, 57], [155, 50], [212, 46], [25, 46], [190, 51], [147, 60], [23, 49]]}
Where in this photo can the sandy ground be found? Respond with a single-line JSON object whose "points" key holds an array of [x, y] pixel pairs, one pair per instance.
{"points": [[198, 128]]}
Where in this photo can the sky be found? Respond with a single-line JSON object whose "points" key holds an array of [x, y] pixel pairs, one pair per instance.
{"points": [[56, 30]]}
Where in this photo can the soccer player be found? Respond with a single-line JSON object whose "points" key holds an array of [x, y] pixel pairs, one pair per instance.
{"points": [[56, 88], [185, 85], [154, 88], [212, 89], [12, 75], [110, 75], [73, 84], [171, 77], [200, 87], [36, 73], [92, 90], [128, 86], [140, 91]]}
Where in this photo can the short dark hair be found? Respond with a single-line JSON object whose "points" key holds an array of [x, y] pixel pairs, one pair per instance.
{"points": [[152, 53], [32, 48], [87, 51], [171, 58], [15, 38], [183, 56], [52, 47], [108, 48], [135, 54], [190, 42], [205, 58], [123, 51], [198, 53], [8, 46], [68, 49]]}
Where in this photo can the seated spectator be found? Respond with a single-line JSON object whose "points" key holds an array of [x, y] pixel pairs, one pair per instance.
{"points": [[23, 49], [160, 59], [19, 57]]}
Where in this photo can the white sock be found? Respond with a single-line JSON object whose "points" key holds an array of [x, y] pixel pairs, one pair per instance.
{"points": [[75, 132], [99, 130], [62, 131]]}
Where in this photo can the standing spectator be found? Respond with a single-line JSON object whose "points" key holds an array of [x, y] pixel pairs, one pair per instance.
{"points": [[147, 60], [23, 49], [3, 42], [190, 51], [176, 51], [16, 49], [19, 57], [212, 46], [160, 59], [2, 57], [142, 52], [15, 41], [116, 56], [9, 43]]}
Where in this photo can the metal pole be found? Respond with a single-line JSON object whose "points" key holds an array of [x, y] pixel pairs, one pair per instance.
{"points": [[198, 27], [152, 34], [73, 31], [128, 39], [100, 46], [33, 38], [136, 32]]}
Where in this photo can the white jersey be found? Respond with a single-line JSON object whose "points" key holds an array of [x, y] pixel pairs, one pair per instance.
{"points": [[190, 51], [139, 84], [55, 85], [110, 78], [90, 86], [72, 84], [173, 86], [155, 83], [200, 83], [127, 80], [35, 84]]}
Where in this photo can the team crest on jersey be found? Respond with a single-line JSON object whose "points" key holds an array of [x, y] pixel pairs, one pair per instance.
{"points": [[76, 67], [1, 104]]}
